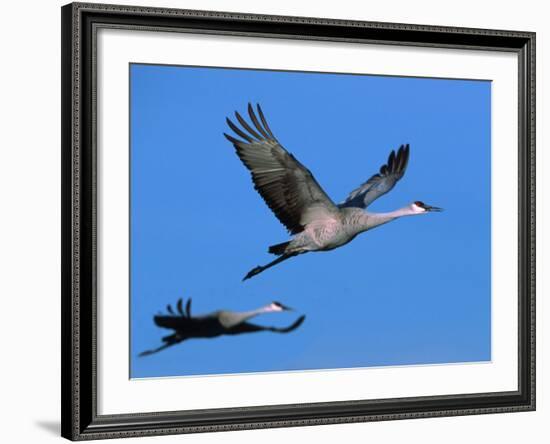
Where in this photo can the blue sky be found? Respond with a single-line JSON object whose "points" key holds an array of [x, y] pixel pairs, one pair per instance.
{"points": [[415, 291]]}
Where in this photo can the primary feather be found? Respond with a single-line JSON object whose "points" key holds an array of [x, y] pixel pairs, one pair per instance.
{"points": [[287, 186], [381, 182]]}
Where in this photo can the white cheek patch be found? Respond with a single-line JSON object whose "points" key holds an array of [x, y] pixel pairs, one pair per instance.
{"points": [[418, 209]]}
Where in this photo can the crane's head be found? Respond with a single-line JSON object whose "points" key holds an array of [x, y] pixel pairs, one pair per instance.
{"points": [[420, 207], [277, 306]]}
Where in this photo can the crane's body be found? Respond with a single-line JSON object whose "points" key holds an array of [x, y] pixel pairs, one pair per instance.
{"points": [[325, 235], [217, 323], [298, 201]]}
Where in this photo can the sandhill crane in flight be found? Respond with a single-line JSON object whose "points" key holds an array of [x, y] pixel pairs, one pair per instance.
{"points": [[217, 323], [299, 202]]}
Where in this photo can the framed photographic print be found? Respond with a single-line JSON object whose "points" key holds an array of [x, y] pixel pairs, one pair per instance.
{"points": [[280, 221]]}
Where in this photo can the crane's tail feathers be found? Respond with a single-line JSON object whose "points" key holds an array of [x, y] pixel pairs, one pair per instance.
{"points": [[278, 249], [261, 268], [170, 338]]}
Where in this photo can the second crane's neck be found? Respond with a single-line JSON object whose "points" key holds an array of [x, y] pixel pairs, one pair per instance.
{"points": [[231, 318], [251, 313]]}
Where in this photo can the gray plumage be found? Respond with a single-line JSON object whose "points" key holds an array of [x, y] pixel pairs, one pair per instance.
{"points": [[293, 194], [380, 183], [217, 323], [287, 187]]}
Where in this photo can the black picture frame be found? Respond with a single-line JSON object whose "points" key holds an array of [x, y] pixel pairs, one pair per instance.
{"points": [[79, 211]]}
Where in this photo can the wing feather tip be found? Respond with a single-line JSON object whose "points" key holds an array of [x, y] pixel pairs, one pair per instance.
{"points": [[232, 139], [254, 120]]}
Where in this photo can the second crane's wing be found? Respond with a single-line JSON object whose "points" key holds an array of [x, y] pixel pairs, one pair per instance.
{"points": [[172, 321], [380, 183], [287, 186]]}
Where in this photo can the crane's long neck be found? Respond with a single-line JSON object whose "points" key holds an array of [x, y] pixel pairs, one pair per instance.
{"points": [[371, 220], [242, 316], [245, 315]]}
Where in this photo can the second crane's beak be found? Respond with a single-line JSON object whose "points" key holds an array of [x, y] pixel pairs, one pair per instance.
{"points": [[435, 209], [284, 307]]}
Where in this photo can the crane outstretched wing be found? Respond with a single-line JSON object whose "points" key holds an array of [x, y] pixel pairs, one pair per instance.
{"points": [[173, 322], [180, 307], [286, 186], [380, 183]]}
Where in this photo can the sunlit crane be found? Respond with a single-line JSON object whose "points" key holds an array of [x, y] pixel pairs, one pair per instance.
{"points": [[217, 323], [299, 202]]}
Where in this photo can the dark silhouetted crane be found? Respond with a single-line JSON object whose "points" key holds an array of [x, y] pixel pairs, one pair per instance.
{"points": [[217, 323]]}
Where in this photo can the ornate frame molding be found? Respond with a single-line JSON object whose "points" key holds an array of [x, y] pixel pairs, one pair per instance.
{"points": [[80, 420]]}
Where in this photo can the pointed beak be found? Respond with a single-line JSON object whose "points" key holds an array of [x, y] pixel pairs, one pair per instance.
{"points": [[286, 307], [435, 209]]}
